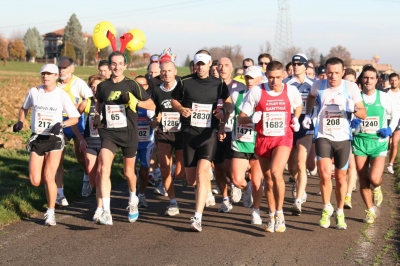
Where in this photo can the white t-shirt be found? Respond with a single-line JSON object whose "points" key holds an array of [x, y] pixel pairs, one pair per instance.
{"points": [[252, 98], [48, 108], [388, 104], [79, 89], [333, 122], [395, 98]]}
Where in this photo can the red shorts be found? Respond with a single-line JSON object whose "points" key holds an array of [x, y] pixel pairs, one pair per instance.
{"points": [[265, 145]]}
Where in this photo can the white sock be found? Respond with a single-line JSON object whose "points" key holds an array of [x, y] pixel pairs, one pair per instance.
{"points": [[209, 194], [173, 201], [279, 212], [133, 199], [372, 210], [60, 192], [339, 211], [106, 204], [85, 178], [376, 188], [390, 164], [50, 211], [198, 216], [271, 213], [256, 210], [348, 195], [327, 206], [226, 198], [99, 209]]}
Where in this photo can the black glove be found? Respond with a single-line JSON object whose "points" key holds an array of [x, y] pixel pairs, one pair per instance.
{"points": [[56, 129], [97, 122], [125, 97], [18, 126]]}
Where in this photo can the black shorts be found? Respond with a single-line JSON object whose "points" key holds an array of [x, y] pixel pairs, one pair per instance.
{"points": [[302, 131], [307, 140], [338, 150], [93, 146], [172, 138], [199, 146], [127, 152], [223, 151], [244, 155], [40, 144]]}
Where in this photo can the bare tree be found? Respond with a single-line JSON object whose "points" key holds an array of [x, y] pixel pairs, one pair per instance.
{"points": [[234, 53], [342, 53], [313, 54], [16, 35], [288, 53], [265, 48]]}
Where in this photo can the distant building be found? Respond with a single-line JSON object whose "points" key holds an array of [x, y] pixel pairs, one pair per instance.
{"points": [[358, 65], [53, 42]]}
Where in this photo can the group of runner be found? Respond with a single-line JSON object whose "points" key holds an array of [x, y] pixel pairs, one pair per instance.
{"points": [[243, 130]]}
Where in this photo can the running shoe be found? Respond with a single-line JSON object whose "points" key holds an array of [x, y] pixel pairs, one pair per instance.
{"points": [[248, 197], [390, 169], [340, 222], [157, 174], [280, 226], [226, 206], [236, 193], [86, 189], [319, 193], [325, 221], [62, 201], [378, 196], [314, 172], [308, 172], [347, 202], [133, 213], [172, 210], [97, 215], [256, 217], [216, 190], [211, 173], [106, 218], [151, 181], [50, 219], [195, 224], [271, 224], [210, 201], [142, 202], [304, 198], [160, 190], [296, 208], [294, 191], [369, 217]]}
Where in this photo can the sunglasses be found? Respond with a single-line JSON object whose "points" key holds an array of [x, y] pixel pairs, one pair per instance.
{"points": [[297, 64], [262, 63], [245, 67]]}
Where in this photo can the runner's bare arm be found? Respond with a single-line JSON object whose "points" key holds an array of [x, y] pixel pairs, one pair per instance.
{"points": [[244, 118], [310, 103], [82, 141], [297, 111], [147, 104], [186, 112], [361, 112], [22, 114], [82, 106]]}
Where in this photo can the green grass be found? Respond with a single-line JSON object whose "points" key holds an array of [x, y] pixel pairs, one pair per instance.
{"points": [[19, 199], [32, 69]]}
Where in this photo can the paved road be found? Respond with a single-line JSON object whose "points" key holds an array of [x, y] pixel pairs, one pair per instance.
{"points": [[227, 239]]}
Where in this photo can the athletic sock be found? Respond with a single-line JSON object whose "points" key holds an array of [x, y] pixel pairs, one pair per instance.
{"points": [[339, 211], [272, 214], [85, 178], [226, 198], [60, 192], [372, 210], [376, 188], [327, 206], [348, 195], [173, 202], [50, 211], [106, 204], [99, 209], [279, 212], [209, 194], [256, 210], [133, 199], [198, 216]]}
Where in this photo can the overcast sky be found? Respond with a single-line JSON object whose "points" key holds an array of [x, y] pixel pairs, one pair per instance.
{"points": [[365, 28]]}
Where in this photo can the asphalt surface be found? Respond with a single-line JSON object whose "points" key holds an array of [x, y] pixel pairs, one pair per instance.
{"points": [[226, 239]]}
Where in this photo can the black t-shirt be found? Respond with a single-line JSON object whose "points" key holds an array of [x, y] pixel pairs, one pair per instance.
{"points": [[193, 89], [110, 94], [162, 100]]}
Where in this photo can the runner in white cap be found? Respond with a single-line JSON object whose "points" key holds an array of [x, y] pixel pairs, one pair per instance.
{"points": [[47, 140]]}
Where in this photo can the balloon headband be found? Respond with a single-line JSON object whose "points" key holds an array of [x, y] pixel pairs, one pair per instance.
{"points": [[205, 58], [167, 55], [124, 39]]}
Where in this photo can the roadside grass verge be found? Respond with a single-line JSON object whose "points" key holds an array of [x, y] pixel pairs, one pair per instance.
{"points": [[394, 235], [19, 199]]}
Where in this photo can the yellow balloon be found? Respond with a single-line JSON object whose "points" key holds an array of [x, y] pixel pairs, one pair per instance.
{"points": [[138, 41], [100, 34]]}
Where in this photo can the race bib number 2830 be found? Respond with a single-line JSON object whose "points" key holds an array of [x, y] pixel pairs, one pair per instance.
{"points": [[201, 115]]}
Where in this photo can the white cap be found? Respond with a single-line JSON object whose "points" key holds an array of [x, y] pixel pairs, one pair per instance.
{"points": [[205, 58], [50, 68], [253, 71]]}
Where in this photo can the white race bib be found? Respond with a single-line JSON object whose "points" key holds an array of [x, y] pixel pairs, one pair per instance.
{"points": [[170, 121], [43, 122], [304, 99], [201, 115], [332, 121], [370, 125], [245, 133], [144, 133], [274, 124], [116, 116], [94, 133], [229, 123]]}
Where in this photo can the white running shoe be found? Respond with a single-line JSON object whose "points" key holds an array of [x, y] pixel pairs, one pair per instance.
{"points": [[211, 173], [142, 202], [236, 193], [106, 218], [226, 206], [160, 190], [50, 219], [271, 224], [248, 197], [210, 201], [390, 169], [172, 210], [280, 226], [314, 172], [62, 201], [133, 213], [296, 208], [195, 224], [97, 215], [157, 174], [86, 189], [304, 198], [216, 190], [255, 217]]}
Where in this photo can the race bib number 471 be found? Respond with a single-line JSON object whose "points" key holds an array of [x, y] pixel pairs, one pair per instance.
{"points": [[201, 115]]}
